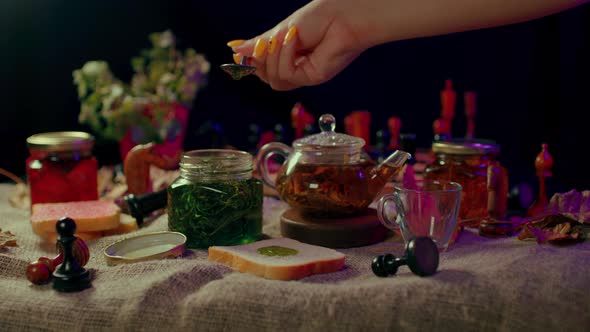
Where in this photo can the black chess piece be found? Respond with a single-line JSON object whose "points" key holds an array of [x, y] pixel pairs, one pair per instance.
{"points": [[143, 205], [421, 256], [69, 276]]}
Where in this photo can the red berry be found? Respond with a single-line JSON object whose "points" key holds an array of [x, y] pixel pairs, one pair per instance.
{"points": [[38, 273]]}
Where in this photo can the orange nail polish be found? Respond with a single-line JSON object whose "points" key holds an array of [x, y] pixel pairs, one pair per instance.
{"points": [[237, 58], [272, 45], [235, 43], [290, 35], [260, 48]]}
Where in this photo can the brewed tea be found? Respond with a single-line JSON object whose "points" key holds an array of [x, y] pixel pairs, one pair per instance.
{"points": [[333, 190]]}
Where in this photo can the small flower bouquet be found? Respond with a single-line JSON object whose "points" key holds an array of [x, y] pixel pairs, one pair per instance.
{"points": [[154, 106]]}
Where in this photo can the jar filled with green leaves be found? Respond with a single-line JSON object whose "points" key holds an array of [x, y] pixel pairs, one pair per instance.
{"points": [[216, 201]]}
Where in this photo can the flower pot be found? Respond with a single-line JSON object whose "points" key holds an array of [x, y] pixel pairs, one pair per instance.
{"points": [[172, 127]]}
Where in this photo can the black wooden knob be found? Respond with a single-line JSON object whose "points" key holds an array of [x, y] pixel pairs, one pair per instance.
{"points": [[421, 256]]}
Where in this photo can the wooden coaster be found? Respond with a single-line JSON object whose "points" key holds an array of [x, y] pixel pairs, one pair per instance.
{"points": [[333, 233]]}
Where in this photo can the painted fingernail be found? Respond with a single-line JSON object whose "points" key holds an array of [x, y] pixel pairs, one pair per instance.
{"points": [[272, 45], [237, 58], [235, 43], [290, 35], [260, 47]]}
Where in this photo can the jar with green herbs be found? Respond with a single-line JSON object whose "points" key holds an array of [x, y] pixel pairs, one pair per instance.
{"points": [[216, 201]]}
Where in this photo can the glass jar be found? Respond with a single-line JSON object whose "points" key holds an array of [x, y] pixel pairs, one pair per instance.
{"points": [[61, 167], [472, 164], [216, 201]]}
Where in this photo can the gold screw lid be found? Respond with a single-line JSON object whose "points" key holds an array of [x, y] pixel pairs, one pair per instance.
{"points": [[61, 141], [466, 147]]}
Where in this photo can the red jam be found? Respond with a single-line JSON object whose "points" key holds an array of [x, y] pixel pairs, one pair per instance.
{"points": [[61, 167]]}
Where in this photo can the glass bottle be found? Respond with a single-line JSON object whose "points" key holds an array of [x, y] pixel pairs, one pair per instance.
{"points": [[216, 201], [61, 167], [472, 164]]}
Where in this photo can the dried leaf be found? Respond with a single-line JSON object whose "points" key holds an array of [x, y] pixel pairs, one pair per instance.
{"points": [[7, 239], [574, 204], [555, 229]]}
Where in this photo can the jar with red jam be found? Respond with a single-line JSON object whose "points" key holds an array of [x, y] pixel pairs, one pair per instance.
{"points": [[61, 167], [472, 164]]}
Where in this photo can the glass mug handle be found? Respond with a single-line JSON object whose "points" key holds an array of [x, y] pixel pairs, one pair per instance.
{"points": [[390, 224], [267, 151]]}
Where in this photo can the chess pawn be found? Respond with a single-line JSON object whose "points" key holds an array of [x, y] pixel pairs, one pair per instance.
{"points": [[448, 98], [408, 144], [420, 254], [253, 136], [543, 166], [280, 134], [141, 206], [69, 276], [470, 110], [358, 123], [441, 130], [300, 120], [395, 125], [265, 137]]}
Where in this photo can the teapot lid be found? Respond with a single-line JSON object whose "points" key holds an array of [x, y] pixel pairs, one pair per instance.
{"points": [[328, 138]]}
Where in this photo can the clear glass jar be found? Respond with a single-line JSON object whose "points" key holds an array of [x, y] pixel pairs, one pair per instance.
{"points": [[472, 164], [216, 201], [61, 167]]}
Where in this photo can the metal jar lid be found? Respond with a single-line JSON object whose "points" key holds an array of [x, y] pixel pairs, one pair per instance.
{"points": [[466, 147], [61, 141]]}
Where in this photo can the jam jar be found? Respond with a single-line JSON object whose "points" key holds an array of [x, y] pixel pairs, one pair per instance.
{"points": [[473, 164], [61, 167], [216, 201]]}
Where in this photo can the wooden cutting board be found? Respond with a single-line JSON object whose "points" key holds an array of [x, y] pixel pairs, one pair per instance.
{"points": [[333, 233]]}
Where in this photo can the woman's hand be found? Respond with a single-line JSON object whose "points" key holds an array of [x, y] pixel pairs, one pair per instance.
{"points": [[307, 48]]}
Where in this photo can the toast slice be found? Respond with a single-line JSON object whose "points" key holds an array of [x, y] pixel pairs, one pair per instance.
{"points": [[90, 216], [307, 260], [86, 236], [127, 224]]}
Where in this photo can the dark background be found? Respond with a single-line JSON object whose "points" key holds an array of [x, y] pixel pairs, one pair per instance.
{"points": [[531, 78]]}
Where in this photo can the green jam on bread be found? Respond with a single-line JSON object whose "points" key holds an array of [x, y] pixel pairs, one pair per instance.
{"points": [[277, 251]]}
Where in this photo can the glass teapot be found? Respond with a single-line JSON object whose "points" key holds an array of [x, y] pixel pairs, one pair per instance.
{"points": [[328, 175]]}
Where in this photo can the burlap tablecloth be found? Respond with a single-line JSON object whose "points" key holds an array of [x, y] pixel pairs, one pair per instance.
{"points": [[482, 285]]}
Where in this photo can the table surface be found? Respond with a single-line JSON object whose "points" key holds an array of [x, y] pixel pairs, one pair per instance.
{"points": [[482, 285]]}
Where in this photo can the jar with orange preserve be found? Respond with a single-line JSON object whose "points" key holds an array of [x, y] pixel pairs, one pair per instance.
{"points": [[61, 167], [473, 164]]}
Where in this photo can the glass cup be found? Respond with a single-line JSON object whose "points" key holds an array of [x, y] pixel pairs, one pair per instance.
{"points": [[428, 208]]}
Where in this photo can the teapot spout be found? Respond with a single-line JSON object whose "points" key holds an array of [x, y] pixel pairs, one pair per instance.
{"points": [[396, 159], [387, 170]]}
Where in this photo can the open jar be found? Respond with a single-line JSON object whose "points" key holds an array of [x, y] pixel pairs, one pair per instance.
{"points": [[61, 167], [472, 164], [216, 201]]}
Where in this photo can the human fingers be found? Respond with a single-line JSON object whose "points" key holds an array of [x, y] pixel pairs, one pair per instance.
{"points": [[273, 63], [250, 61]]}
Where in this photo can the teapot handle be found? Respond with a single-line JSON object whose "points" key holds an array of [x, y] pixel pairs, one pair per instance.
{"points": [[267, 151], [387, 198]]}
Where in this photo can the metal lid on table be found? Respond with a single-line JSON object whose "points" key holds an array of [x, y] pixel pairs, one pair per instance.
{"points": [[466, 147], [60, 141]]}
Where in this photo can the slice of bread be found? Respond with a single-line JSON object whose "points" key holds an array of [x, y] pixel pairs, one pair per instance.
{"points": [[126, 224], [86, 236], [90, 216], [308, 260]]}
